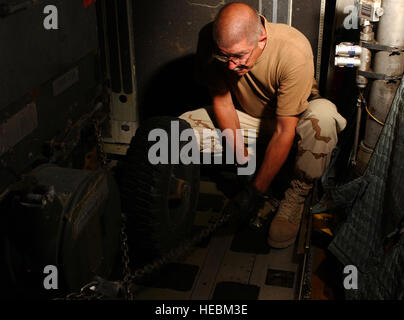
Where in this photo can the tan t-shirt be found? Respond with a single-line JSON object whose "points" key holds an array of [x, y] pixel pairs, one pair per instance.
{"points": [[282, 78]]}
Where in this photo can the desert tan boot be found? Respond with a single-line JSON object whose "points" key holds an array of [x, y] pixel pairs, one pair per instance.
{"points": [[285, 225]]}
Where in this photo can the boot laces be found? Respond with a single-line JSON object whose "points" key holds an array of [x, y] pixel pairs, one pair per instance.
{"points": [[295, 196]]}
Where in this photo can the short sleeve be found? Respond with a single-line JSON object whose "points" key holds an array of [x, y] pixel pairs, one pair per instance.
{"points": [[294, 89]]}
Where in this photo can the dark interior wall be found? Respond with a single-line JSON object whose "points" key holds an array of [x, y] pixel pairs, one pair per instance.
{"points": [[48, 80], [306, 17], [31, 55], [166, 35]]}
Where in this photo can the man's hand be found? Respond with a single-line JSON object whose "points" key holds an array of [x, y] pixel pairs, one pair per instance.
{"points": [[245, 204], [277, 151]]}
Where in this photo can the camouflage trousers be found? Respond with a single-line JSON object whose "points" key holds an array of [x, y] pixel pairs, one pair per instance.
{"points": [[316, 134]]}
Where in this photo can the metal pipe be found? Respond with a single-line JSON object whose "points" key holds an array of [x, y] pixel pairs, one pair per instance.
{"points": [[290, 12], [357, 129], [390, 28], [275, 11], [381, 96], [349, 62], [390, 33], [366, 35], [347, 49]]}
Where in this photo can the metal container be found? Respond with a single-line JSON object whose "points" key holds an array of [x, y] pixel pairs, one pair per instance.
{"points": [[78, 231]]}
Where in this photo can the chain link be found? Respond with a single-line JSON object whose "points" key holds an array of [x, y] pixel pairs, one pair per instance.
{"points": [[124, 237], [100, 143], [177, 252], [130, 277], [88, 292], [126, 260]]}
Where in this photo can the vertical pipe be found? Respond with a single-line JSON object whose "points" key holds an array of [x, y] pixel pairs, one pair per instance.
{"points": [[357, 129], [275, 11], [320, 40], [390, 32], [367, 35], [290, 12], [260, 6]]}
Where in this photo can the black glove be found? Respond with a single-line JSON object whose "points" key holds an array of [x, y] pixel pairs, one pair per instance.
{"points": [[244, 205]]}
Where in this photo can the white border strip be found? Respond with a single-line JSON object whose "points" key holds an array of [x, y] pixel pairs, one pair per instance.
{"points": [[260, 6], [320, 40], [290, 11], [275, 11]]}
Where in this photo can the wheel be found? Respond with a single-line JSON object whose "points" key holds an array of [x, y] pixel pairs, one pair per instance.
{"points": [[159, 200]]}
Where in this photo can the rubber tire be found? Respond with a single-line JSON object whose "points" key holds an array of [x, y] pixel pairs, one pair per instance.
{"points": [[155, 224]]}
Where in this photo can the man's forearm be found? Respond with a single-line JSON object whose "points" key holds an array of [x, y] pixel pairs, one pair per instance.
{"points": [[275, 156], [227, 119]]}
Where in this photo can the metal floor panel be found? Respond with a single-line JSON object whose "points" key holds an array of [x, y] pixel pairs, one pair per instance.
{"points": [[205, 284], [274, 274]]}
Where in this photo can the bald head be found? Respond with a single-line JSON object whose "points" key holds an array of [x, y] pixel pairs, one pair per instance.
{"points": [[235, 22]]}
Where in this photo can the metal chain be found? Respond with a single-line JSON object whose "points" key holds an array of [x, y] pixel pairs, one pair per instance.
{"points": [[125, 259], [88, 292], [175, 253], [100, 143], [182, 249], [124, 237]]}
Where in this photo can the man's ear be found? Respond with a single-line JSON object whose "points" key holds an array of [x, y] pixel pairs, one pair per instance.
{"points": [[262, 39], [261, 42]]}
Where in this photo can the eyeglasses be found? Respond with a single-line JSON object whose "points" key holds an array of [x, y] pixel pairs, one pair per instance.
{"points": [[235, 59]]}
